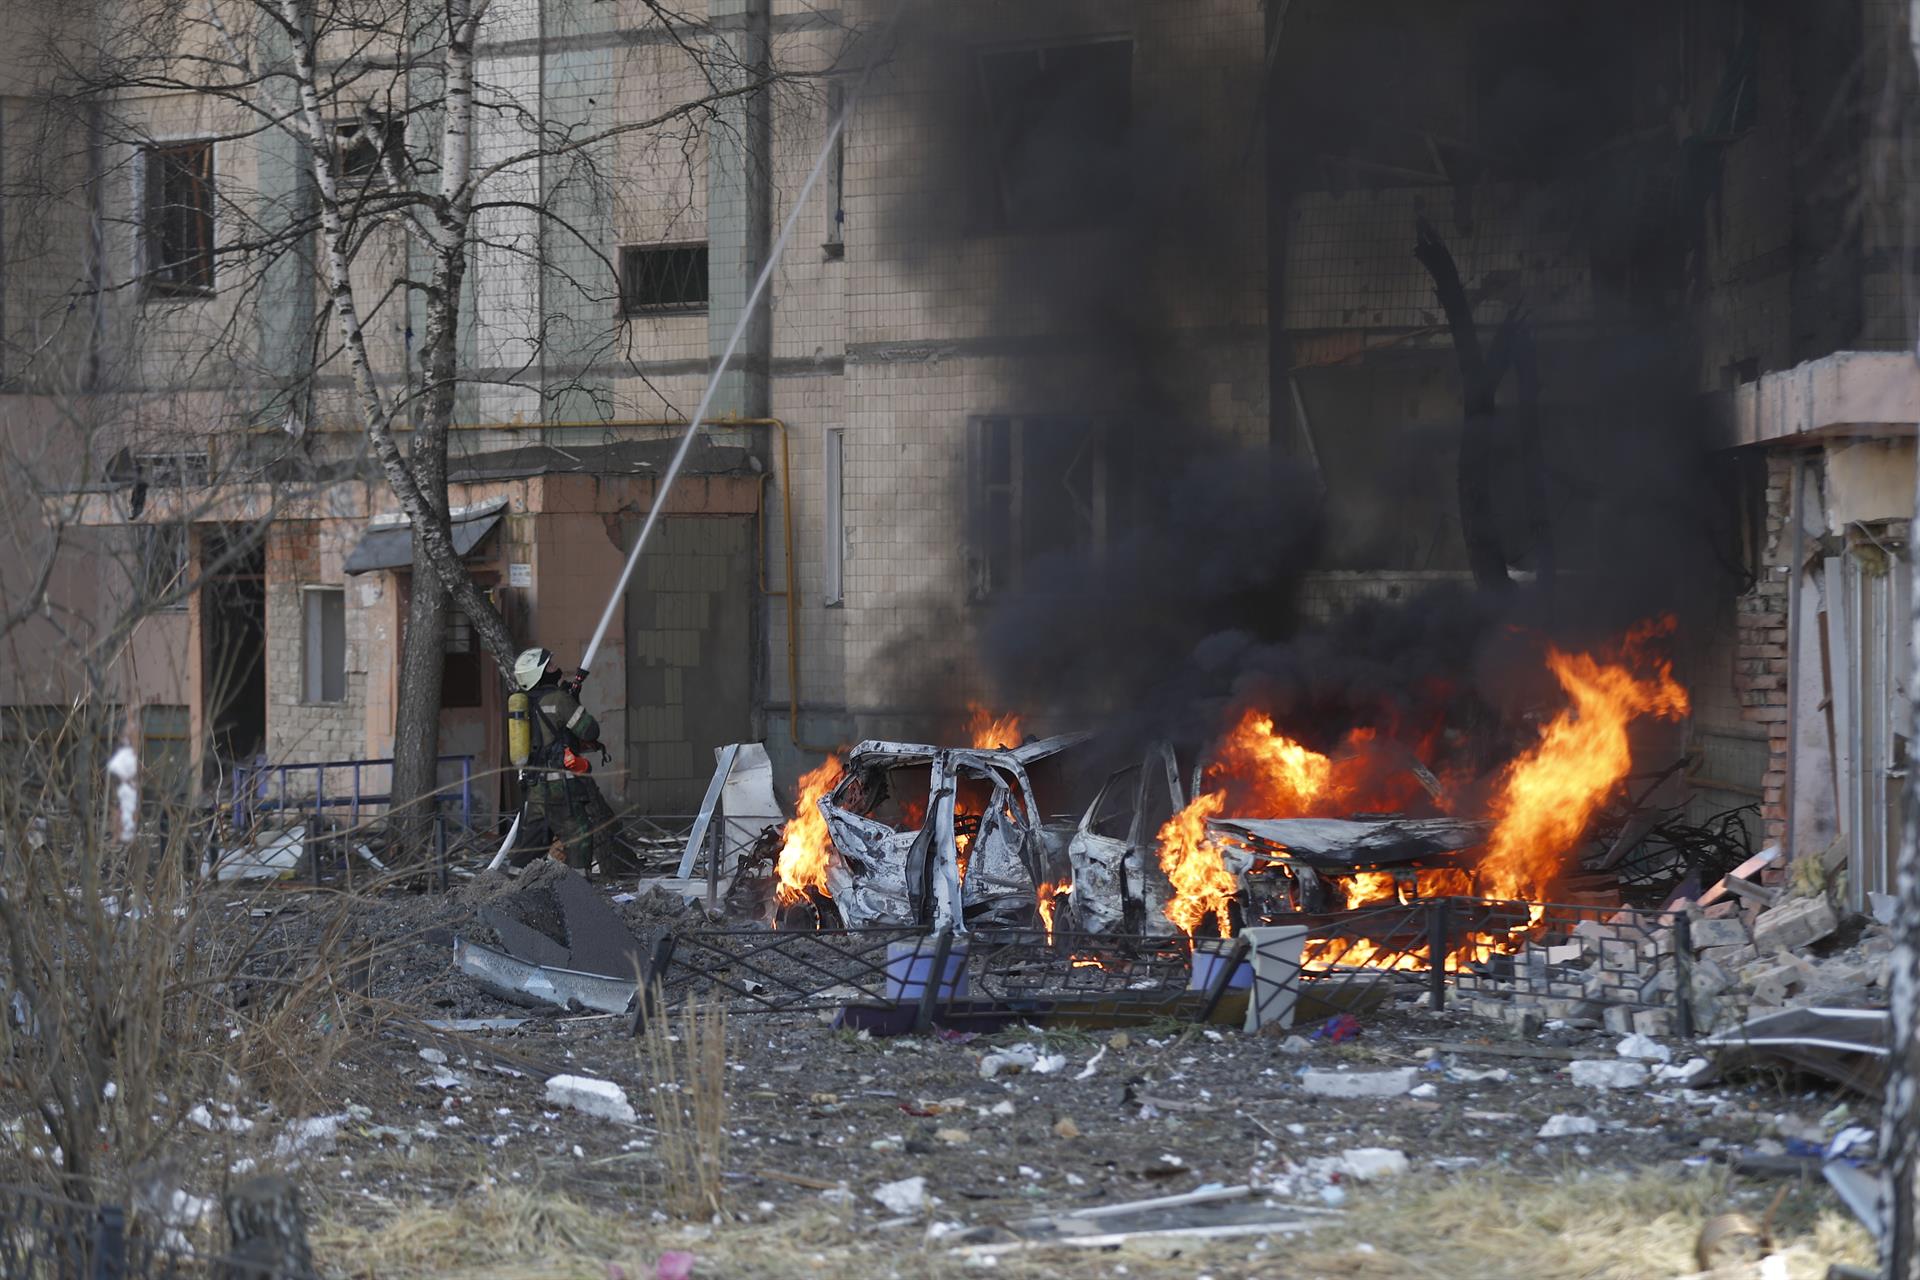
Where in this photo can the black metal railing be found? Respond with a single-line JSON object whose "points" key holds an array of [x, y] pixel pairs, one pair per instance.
{"points": [[1560, 959]]}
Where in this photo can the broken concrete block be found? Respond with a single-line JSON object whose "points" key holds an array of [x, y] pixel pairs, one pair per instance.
{"points": [[1358, 1084], [1732, 957], [1718, 933], [1729, 910], [1608, 1073], [1619, 955], [1653, 1022], [1709, 978], [1368, 1163], [1570, 953], [1772, 984], [1643, 1048], [907, 1196], [1568, 1126], [602, 1099], [1618, 1019], [1794, 924]]}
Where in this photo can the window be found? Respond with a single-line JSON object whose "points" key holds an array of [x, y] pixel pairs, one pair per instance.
{"points": [[663, 277], [324, 657], [834, 546], [361, 148], [464, 670], [1056, 123], [177, 226], [162, 570], [1041, 487]]}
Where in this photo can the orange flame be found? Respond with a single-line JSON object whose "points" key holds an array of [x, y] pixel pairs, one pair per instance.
{"points": [[1195, 869], [1045, 895], [1548, 795], [990, 732], [803, 858], [1268, 772]]}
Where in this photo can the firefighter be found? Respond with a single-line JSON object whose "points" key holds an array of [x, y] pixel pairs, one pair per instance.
{"points": [[556, 777]]}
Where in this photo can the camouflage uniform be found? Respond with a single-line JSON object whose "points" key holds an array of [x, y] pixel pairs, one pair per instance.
{"points": [[570, 804]]}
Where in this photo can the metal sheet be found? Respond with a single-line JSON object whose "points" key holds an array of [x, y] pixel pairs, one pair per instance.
{"points": [[392, 547], [1341, 842], [523, 983]]}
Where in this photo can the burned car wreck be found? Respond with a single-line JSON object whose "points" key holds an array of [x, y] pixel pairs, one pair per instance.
{"points": [[957, 837]]}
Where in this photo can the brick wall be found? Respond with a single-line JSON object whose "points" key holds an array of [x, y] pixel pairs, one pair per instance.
{"points": [[302, 553], [1760, 653]]}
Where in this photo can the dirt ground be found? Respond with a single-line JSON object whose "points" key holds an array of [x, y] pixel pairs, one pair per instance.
{"points": [[433, 1153]]}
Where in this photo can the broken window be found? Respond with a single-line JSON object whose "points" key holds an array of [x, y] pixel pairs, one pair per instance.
{"points": [[1056, 122], [324, 656], [362, 147], [463, 672], [663, 277], [1041, 488], [177, 218]]}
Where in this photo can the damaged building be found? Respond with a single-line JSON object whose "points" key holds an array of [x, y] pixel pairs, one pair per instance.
{"points": [[1605, 310]]}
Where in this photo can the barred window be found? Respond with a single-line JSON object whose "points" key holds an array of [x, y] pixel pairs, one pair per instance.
{"points": [[177, 221], [663, 277], [361, 148]]}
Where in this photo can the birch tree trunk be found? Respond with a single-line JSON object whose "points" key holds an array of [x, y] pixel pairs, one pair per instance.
{"points": [[1899, 1136]]}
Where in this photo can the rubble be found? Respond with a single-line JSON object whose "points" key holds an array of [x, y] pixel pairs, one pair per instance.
{"points": [[1605, 1073], [602, 1099], [905, 1197], [1643, 1048], [1566, 1126], [1370, 1163], [1358, 1084], [1794, 924]]}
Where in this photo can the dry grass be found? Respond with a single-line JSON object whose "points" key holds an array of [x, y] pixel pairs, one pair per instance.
{"points": [[1485, 1227], [686, 1065]]}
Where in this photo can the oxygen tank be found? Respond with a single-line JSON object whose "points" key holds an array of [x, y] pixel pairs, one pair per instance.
{"points": [[519, 730]]}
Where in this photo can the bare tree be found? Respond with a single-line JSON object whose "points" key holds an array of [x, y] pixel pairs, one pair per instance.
{"points": [[397, 160]]}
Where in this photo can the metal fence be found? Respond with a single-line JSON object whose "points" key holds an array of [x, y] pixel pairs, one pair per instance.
{"points": [[1557, 960]]}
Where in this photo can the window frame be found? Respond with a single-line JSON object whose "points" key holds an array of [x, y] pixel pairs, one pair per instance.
{"points": [[374, 178], [986, 543], [833, 545], [152, 284], [313, 683], [628, 307], [149, 584]]}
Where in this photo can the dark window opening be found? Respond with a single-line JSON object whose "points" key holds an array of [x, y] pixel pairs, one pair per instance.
{"points": [[362, 148], [326, 644], [664, 277], [178, 221], [464, 671], [1057, 124], [1042, 488]]}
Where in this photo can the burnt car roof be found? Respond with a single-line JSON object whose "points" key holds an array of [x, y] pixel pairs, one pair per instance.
{"points": [[1338, 843]]}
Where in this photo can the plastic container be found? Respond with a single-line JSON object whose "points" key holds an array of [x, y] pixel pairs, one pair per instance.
{"points": [[1207, 963], [910, 963]]}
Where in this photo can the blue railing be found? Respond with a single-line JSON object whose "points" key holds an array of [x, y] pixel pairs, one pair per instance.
{"points": [[255, 792]]}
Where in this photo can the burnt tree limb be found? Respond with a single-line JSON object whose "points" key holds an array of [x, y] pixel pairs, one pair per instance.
{"points": [[1479, 385]]}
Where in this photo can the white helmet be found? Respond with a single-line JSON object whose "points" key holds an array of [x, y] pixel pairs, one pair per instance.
{"points": [[530, 666]]}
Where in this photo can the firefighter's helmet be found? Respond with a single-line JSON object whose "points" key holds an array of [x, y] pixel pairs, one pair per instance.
{"points": [[530, 666]]}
